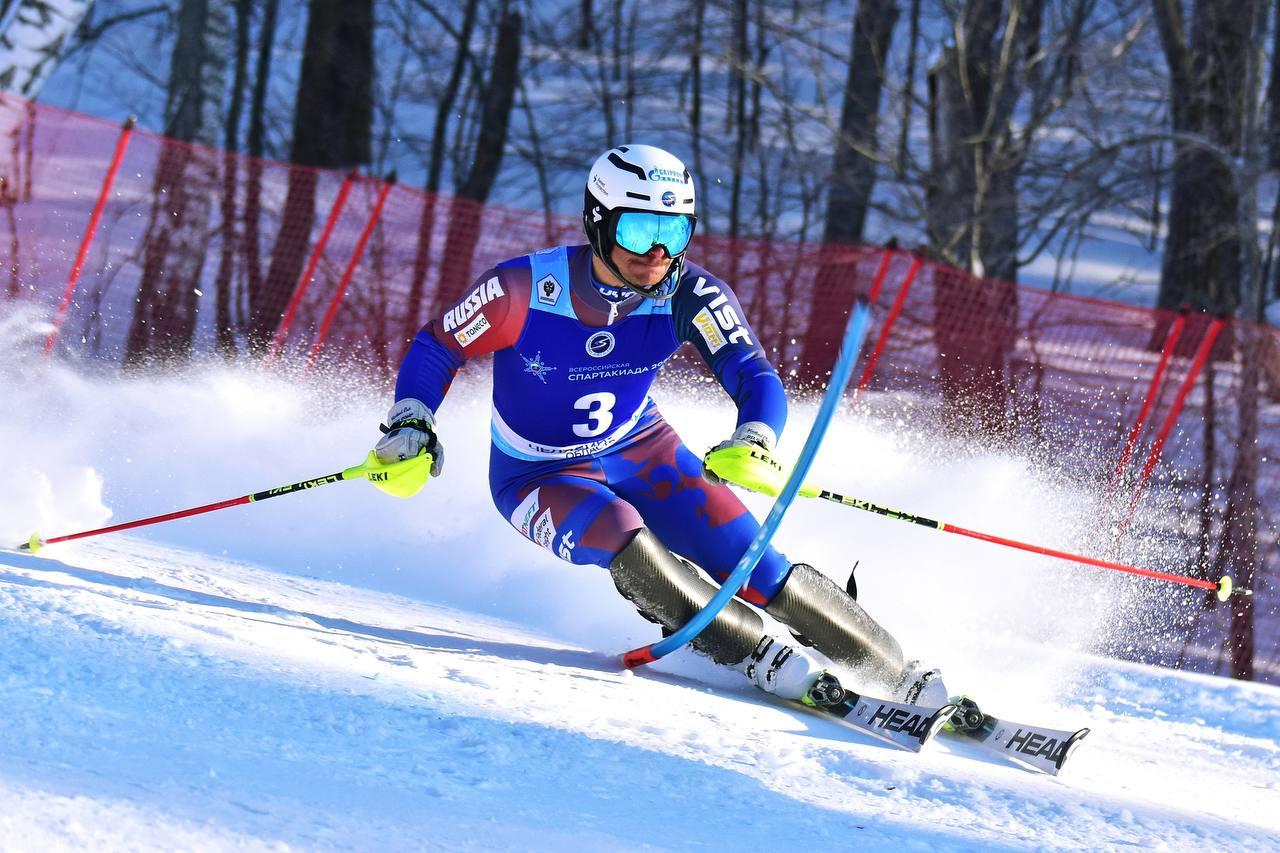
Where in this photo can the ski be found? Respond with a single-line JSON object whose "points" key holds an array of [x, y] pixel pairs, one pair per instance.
{"points": [[1037, 747], [905, 726]]}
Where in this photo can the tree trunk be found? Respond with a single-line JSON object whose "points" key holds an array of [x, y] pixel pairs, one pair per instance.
{"points": [[1243, 539], [972, 201], [332, 127], [853, 173], [34, 34], [223, 282], [853, 176], [1207, 79], [427, 222], [737, 115], [164, 321], [495, 117], [695, 100], [257, 149]]}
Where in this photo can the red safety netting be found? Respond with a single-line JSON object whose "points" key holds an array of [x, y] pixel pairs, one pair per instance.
{"points": [[198, 251]]}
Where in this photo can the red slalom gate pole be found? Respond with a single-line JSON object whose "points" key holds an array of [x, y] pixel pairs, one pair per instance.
{"points": [[1223, 586], [1153, 456], [312, 262], [1171, 341], [323, 331], [883, 339], [886, 258], [122, 143]]}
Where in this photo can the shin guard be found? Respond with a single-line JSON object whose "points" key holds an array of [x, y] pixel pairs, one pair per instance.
{"points": [[813, 606], [668, 591]]}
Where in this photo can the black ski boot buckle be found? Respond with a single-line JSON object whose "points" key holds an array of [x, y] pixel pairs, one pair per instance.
{"points": [[826, 692]]}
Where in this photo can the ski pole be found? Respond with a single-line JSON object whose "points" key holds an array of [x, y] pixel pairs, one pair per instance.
{"points": [[850, 346], [1223, 587], [385, 475]]}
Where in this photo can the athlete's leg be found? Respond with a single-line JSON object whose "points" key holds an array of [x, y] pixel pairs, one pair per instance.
{"points": [[567, 508], [564, 506], [697, 519], [708, 524]]}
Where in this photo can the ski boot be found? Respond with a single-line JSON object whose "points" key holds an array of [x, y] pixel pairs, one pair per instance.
{"points": [[784, 671], [921, 686]]}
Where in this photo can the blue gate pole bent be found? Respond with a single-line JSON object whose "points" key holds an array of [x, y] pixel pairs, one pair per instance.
{"points": [[855, 334]]}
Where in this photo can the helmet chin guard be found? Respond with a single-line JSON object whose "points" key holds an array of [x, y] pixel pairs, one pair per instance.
{"points": [[644, 179]]}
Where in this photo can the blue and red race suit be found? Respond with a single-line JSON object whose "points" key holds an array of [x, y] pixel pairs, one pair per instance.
{"points": [[581, 457]]}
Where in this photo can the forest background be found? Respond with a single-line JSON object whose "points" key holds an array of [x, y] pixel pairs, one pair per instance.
{"points": [[1124, 148]]}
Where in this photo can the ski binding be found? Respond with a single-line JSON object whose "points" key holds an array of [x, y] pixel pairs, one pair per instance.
{"points": [[1037, 747], [907, 727]]}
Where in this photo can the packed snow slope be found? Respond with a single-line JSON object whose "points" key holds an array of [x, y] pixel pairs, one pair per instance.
{"points": [[338, 669]]}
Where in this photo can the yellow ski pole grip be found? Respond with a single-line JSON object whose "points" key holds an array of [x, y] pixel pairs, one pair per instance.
{"points": [[753, 468], [402, 479]]}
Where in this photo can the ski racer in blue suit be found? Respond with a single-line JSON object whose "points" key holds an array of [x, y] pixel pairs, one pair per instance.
{"points": [[584, 464]]}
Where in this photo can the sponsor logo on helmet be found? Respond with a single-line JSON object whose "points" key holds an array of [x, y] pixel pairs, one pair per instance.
{"points": [[670, 176], [669, 198], [599, 182], [600, 344], [595, 214]]}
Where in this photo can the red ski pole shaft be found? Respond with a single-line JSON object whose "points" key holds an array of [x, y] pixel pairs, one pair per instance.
{"points": [[35, 543], [1223, 586]]}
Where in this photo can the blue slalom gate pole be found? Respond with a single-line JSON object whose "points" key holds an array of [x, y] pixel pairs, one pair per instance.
{"points": [[855, 334]]}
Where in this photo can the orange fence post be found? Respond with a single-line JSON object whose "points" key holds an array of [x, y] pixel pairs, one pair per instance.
{"points": [[126, 132], [886, 258], [1197, 365], [304, 281], [323, 331], [892, 318], [1171, 341]]}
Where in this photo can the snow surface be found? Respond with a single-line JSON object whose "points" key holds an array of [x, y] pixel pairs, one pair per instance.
{"points": [[341, 670]]}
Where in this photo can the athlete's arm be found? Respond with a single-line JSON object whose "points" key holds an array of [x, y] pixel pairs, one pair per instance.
{"points": [[708, 315], [488, 317]]}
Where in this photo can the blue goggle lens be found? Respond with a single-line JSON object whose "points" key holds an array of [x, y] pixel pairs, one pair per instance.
{"points": [[639, 232]]}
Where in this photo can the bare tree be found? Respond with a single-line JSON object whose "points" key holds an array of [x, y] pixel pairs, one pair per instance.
{"points": [[332, 127], [164, 320], [1208, 65], [222, 286], [497, 97], [256, 145], [435, 165], [853, 173]]}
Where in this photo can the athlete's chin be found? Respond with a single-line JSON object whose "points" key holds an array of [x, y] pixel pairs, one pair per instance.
{"points": [[648, 277]]}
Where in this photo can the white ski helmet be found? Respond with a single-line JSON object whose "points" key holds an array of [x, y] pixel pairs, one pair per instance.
{"points": [[638, 197]]}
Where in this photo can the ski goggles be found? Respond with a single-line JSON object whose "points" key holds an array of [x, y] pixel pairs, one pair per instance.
{"points": [[638, 232]]}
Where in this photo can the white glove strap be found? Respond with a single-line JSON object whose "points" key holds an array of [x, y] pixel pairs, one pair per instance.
{"points": [[402, 443], [756, 432], [410, 409]]}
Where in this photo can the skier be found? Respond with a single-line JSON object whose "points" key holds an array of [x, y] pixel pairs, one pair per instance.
{"points": [[584, 464]]}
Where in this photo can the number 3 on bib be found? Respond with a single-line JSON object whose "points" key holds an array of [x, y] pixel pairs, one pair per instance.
{"points": [[599, 409]]}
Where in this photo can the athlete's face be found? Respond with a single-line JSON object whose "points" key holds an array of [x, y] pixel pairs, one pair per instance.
{"points": [[645, 270]]}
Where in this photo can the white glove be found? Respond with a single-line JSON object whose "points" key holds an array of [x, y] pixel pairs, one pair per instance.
{"points": [[751, 433], [410, 430]]}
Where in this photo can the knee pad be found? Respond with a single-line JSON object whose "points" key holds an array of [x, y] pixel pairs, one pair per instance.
{"points": [[668, 591]]}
